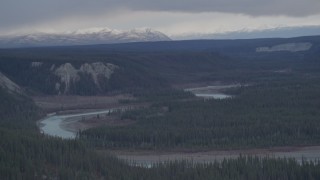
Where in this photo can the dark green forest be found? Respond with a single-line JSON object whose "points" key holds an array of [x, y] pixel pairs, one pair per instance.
{"points": [[278, 105], [264, 115]]}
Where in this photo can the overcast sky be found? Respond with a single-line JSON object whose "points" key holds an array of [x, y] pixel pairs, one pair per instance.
{"points": [[173, 17]]}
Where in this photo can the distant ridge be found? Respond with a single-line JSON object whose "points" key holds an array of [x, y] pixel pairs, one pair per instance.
{"points": [[280, 32], [82, 37], [222, 45]]}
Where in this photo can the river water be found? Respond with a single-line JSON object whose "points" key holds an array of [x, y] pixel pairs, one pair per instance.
{"points": [[213, 95], [212, 92], [54, 125]]}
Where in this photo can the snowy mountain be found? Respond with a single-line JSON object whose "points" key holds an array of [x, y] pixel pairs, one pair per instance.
{"points": [[82, 37]]}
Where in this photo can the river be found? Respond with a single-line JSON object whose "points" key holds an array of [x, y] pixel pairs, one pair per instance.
{"points": [[214, 92], [55, 125]]}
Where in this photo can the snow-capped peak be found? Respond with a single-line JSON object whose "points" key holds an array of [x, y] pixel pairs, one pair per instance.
{"points": [[114, 31], [91, 30], [84, 37]]}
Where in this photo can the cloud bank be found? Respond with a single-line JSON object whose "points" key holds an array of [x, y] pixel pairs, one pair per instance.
{"points": [[15, 14]]}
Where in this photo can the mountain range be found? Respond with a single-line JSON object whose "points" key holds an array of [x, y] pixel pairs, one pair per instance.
{"points": [[112, 36], [82, 37]]}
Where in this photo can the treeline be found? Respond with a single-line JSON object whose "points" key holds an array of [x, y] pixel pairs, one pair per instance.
{"points": [[269, 114]]}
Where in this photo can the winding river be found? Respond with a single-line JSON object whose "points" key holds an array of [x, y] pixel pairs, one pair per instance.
{"points": [[55, 125]]}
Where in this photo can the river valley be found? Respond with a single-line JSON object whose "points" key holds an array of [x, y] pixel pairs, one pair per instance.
{"points": [[57, 125]]}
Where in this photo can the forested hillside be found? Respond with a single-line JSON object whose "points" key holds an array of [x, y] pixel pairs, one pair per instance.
{"points": [[101, 69]]}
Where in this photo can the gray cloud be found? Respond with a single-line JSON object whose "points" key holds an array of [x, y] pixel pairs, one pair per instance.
{"points": [[17, 13], [250, 7]]}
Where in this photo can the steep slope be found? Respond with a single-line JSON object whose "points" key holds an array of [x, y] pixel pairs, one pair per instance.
{"points": [[70, 76], [9, 85]]}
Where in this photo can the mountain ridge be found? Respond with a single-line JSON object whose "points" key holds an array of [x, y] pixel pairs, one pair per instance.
{"points": [[82, 37]]}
